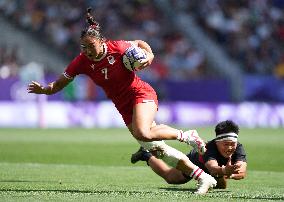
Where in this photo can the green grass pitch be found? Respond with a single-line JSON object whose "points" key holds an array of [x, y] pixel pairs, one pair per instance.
{"points": [[93, 165]]}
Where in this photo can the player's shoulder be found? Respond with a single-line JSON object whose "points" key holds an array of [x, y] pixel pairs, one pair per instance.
{"points": [[118, 42], [211, 144], [240, 148], [80, 57], [211, 148], [239, 145], [118, 45]]}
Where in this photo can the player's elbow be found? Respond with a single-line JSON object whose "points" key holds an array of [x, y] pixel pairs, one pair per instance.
{"points": [[221, 186], [242, 176], [239, 176]]}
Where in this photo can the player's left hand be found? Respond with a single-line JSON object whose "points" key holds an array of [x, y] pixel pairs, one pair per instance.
{"points": [[237, 167]]}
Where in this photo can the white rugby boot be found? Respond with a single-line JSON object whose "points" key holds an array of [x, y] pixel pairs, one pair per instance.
{"points": [[205, 183]]}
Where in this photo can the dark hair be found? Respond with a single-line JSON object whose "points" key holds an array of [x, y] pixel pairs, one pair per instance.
{"points": [[226, 127], [94, 27]]}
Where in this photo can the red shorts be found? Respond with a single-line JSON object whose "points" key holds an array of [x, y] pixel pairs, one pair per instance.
{"points": [[145, 93]]}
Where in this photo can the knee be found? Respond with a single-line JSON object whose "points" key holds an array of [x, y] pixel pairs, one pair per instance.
{"points": [[142, 135], [175, 179], [170, 181]]}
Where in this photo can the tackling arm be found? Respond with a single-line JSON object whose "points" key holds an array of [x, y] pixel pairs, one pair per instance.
{"points": [[236, 171], [242, 171], [214, 169], [51, 88]]}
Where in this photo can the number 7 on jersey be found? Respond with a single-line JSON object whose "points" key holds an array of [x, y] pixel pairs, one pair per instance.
{"points": [[104, 71]]}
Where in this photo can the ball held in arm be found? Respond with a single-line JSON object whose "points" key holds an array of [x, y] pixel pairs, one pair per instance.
{"points": [[133, 58]]}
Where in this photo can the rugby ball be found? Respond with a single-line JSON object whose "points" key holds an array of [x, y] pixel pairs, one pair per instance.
{"points": [[133, 58]]}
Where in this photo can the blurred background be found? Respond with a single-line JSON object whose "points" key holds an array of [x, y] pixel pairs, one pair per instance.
{"points": [[214, 60]]}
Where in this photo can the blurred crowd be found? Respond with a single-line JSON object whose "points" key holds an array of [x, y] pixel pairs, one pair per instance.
{"points": [[9, 61], [59, 22], [252, 32]]}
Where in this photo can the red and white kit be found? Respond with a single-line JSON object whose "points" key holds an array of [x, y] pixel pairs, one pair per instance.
{"points": [[122, 86]]}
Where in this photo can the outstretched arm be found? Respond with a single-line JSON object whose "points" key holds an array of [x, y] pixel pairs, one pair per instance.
{"points": [[51, 88], [242, 171], [236, 171]]}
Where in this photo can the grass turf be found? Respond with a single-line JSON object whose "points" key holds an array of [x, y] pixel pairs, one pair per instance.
{"points": [[93, 165]]}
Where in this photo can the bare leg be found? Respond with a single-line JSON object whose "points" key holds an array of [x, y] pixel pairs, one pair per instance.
{"points": [[143, 129], [186, 166], [143, 117], [171, 175]]}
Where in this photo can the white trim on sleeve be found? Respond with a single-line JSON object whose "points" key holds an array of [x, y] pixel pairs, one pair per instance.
{"points": [[67, 76]]}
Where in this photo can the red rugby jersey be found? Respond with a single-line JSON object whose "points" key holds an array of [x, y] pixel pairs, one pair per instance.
{"points": [[108, 71]]}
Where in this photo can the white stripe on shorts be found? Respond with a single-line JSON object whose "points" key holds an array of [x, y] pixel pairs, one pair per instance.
{"points": [[146, 101]]}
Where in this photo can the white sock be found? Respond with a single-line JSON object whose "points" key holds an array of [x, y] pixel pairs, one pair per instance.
{"points": [[172, 156], [182, 136], [169, 154], [187, 135], [196, 173]]}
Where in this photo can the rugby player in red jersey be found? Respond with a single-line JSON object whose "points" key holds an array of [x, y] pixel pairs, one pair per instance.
{"points": [[136, 100]]}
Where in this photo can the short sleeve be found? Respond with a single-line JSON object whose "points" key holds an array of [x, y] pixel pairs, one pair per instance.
{"points": [[72, 69], [211, 152], [240, 154], [123, 45]]}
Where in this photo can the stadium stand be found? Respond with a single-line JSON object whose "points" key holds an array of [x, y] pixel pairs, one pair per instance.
{"points": [[60, 22], [240, 30], [252, 32]]}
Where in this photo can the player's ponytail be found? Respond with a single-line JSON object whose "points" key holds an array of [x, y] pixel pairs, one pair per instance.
{"points": [[90, 18], [94, 27]]}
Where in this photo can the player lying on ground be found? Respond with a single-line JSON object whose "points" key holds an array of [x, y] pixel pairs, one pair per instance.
{"points": [[225, 158], [136, 101]]}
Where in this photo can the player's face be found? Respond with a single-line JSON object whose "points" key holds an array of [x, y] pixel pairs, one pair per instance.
{"points": [[91, 47], [226, 148]]}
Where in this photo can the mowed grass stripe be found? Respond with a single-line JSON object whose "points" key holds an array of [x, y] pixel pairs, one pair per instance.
{"points": [[123, 182], [65, 135], [115, 146]]}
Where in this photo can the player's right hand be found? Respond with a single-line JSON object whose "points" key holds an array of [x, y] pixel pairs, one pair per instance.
{"points": [[35, 87], [230, 169]]}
